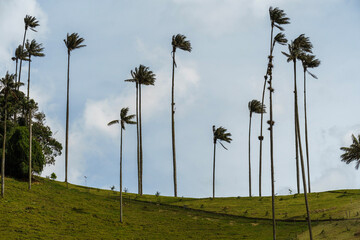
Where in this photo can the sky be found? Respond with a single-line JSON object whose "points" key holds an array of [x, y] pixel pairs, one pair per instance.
{"points": [[213, 85]]}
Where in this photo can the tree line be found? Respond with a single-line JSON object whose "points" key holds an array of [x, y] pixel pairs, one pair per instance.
{"points": [[28, 144]]}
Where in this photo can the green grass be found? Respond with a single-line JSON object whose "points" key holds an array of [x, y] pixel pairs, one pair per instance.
{"points": [[51, 211]]}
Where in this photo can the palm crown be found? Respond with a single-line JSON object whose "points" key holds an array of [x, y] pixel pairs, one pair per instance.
{"points": [[34, 49], [298, 47], [256, 107], [19, 54], [352, 153], [73, 41], [278, 17], [31, 22], [179, 41], [221, 135], [309, 61], [7, 83], [124, 118], [142, 75]]}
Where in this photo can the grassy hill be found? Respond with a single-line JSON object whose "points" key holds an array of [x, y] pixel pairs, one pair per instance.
{"points": [[50, 211]]}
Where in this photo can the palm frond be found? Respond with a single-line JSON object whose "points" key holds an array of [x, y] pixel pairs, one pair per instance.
{"points": [[278, 17], [31, 22], [113, 122], [280, 39], [179, 41], [73, 41]]}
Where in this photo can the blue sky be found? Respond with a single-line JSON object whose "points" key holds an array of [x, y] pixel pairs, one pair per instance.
{"points": [[214, 84]]}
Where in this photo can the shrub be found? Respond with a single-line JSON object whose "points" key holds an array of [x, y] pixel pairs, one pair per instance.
{"points": [[53, 176]]}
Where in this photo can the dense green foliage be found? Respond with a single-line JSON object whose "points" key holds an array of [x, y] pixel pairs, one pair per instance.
{"points": [[17, 154]]}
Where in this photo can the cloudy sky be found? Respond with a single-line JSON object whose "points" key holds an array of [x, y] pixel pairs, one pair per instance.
{"points": [[214, 83]]}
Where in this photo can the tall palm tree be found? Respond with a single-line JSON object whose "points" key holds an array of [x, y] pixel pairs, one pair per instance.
{"points": [[254, 106], [277, 18], [137, 128], [124, 119], [142, 76], [8, 87], [308, 61], [32, 23], [33, 49], [19, 55], [220, 134], [299, 46], [31, 107], [352, 153], [72, 42], [178, 41]]}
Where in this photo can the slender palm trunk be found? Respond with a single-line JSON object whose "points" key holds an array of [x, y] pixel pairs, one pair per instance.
{"points": [[296, 149], [306, 134], [271, 136], [173, 123], [250, 155], [137, 136], [30, 149], [3, 154], [297, 126], [22, 50], [140, 150], [16, 74], [28, 86], [261, 137], [214, 169], [67, 123], [121, 205]]}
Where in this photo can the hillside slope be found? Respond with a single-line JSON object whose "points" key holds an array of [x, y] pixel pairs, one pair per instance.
{"points": [[50, 211]]}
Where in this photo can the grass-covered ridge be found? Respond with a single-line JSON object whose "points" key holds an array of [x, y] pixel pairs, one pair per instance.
{"points": [[50, 211]]}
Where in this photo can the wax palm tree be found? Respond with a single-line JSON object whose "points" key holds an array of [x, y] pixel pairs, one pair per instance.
{"points": [[32, 23], [220, 134], [299, 46], [31, 106], [72, 42], [137, 128], [19, 55], [124, 119], [141, 76], [33, 49], [277, 18], [254, 106], [8, 88], [178, 41], [352, 153], [308, 61]]}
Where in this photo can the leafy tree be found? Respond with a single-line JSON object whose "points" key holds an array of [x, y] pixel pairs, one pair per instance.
{"points": [[352, 153], [298, 47], [8, 88], [32, 23], [277, 18], [124, 119], [50, 146], [72, 42], [220, 134], [178, 41], [19, 157], [254, 106], [308, 61], [53, 176], [142, 76]]}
